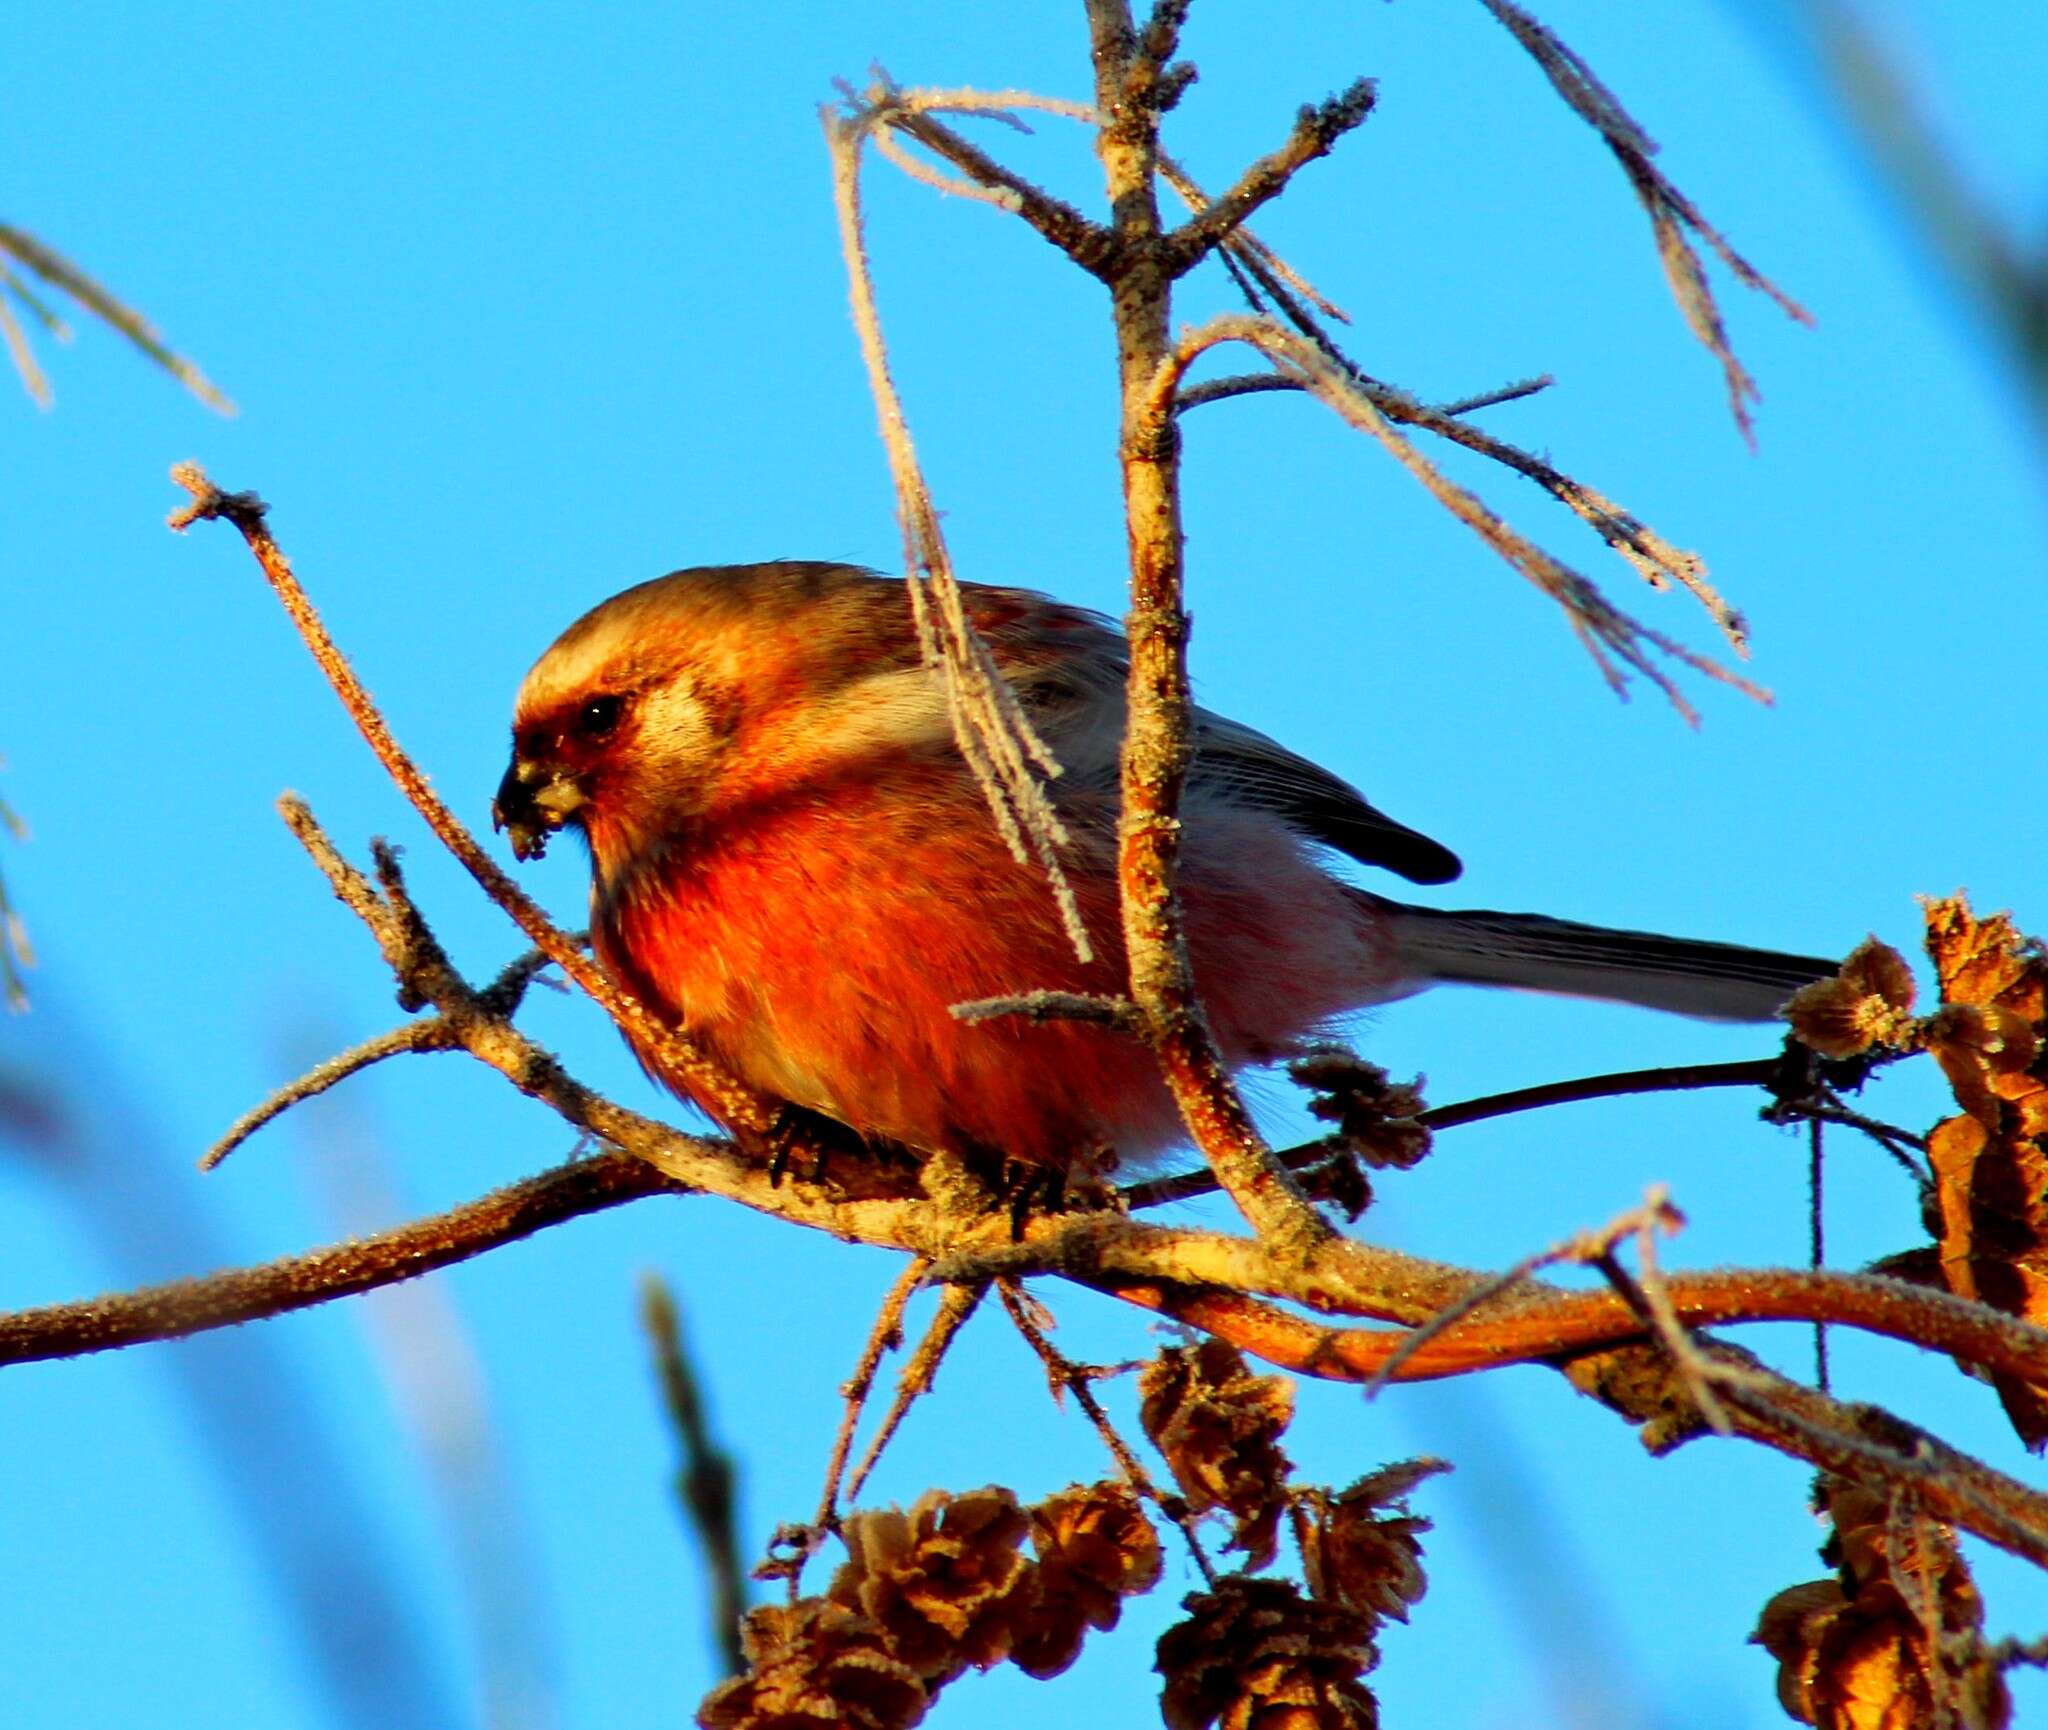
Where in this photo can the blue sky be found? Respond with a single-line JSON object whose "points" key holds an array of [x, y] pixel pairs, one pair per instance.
{"points": [[522, 306]]}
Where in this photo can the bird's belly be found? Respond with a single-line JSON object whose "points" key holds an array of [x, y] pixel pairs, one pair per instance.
{"points": [[823, 967]]}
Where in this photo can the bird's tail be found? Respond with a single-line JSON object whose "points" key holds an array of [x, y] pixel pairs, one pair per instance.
{"points": [[1716, 981]]}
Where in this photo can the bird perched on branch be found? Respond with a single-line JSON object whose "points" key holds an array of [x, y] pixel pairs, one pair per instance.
{"points": [[792, 859]]}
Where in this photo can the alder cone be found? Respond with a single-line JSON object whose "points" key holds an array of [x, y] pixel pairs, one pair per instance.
{"points": [[816, 1665], [1894, 1641], [1095, 1548], [944, 1582], [1219, 1427], [1257, 1655], [1868, 1004], [1355, 1554]]}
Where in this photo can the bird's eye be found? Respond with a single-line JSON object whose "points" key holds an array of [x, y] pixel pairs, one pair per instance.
{"points": [[599, 716]]}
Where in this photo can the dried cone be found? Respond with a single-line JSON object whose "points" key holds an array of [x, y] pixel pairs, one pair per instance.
{"points": [[1095, 1548], [1375, 1115], [1894, 1641], [943, 1582], [1868, 1004], [1256, 1655], [1219, 1427], [1991, 1160], [814, 1665], [1355, 1554]]}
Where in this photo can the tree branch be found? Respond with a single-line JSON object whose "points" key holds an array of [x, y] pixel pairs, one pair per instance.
{"points": [[1316, 130], [1159, 732]]}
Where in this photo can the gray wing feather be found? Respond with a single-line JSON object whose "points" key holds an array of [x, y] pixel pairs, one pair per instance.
{"points": [[1261, 772]]}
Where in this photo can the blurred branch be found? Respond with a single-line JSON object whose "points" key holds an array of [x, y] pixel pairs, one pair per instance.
{"points": [[2006, 276], [16, 953], [62, 275], [705, 1479]]}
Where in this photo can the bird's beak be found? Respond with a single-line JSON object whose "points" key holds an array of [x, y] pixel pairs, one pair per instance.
{"points": [[535, 799]]}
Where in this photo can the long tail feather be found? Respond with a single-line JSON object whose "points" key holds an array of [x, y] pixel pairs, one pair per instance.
{"points": [[1715, 981]]}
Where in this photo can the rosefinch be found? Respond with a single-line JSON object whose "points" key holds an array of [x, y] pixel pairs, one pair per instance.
{"points": [[792, 860]]}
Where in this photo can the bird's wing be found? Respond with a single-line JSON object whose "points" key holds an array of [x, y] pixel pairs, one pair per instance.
{"points": [[1068, 666], [1255, 769]]}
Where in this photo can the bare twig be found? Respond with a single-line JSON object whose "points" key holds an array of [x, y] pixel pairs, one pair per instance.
{"points": [[884, 1337], [705, 1478], [1656, 560], [1671, 213], [956, 1304], [1185, 1186], [1260, 383], [996, 738], [429, 1035], [1316, 130], [1063, 1375], [1237, 384], [1592, 1247], [1647, 1296], [1242, 247], [1117, 1012], [1494, 398], [1614, 639]]}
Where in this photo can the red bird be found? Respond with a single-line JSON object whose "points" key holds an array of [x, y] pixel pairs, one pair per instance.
{"points": [[791, 859]]}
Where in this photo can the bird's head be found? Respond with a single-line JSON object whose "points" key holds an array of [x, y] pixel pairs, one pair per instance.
{"points": [[705, 689]]}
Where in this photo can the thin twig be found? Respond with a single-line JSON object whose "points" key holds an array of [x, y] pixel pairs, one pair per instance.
{"points": [[1316, 130], [705, 1480], [884, 1337], [1117, 1012], [1654, 559], [1614, 639], [1494, 398], [1645, 1294], [1001, 747], [1062, 1374], [1817, 1247], [1237, 384], [956, 1304], [1671, 213], [430, 1035], [1157, 1192], [1588, 1247], [1260, 383]]}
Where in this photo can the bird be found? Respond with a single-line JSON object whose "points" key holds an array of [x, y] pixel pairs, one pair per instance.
{"points": [[792, 860]]}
